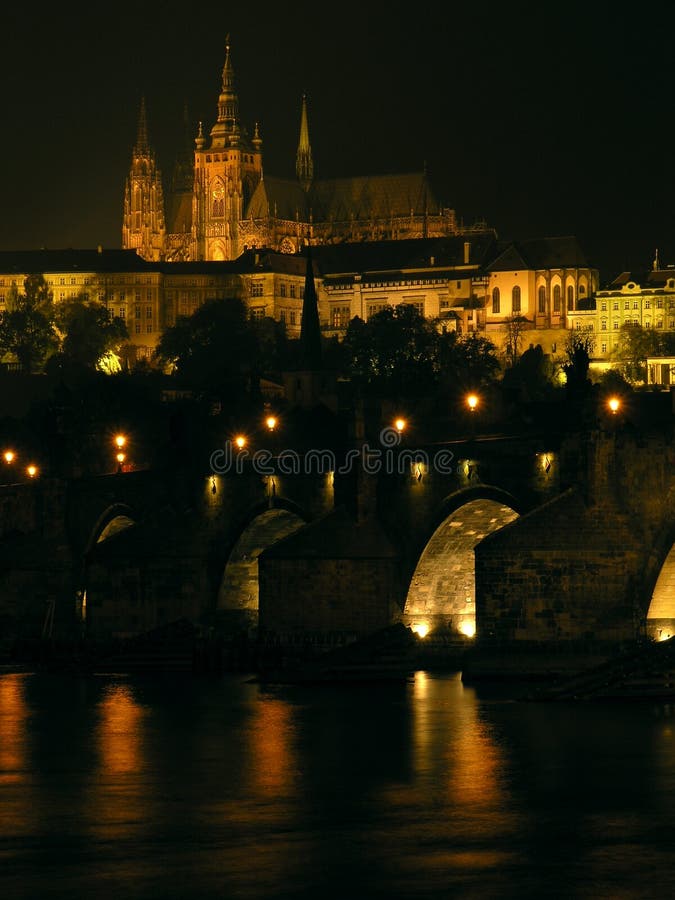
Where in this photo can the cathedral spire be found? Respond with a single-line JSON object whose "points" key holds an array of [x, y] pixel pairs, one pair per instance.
{"points": [[304, 165], [310, 329], [227, 127]]}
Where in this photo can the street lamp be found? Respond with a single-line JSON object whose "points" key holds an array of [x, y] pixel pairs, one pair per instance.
{"points": [[614, 405], [120, 441], [9, 457], [472, 402], [240, 441], [31, 470], [399, 425], [271, 422]]}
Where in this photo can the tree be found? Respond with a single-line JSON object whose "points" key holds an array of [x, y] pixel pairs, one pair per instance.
{"points": [[27, 327], [214, 350], [578, 349], [465, 363], [635, 345], [532, 375], [514, 327], [89, 332], [393, 354]]}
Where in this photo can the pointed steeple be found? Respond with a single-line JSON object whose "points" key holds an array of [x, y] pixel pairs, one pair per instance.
{"points": [[304, 165], [143, 224], [310, 329], [227, 126]]}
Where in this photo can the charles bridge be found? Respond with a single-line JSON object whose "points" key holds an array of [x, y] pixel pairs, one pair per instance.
{"points": [[514, 538]]}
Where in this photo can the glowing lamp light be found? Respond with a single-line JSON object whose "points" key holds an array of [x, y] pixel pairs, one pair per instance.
{"points": [[399, 425], [614, 404], [421, 629], [271, 422], [120, 441], [32, 471], [472, 402], [8, 456], [120, 458], [240, 441], [468, 629]]}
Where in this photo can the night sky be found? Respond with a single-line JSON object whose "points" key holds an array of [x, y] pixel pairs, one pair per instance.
{"points": [[538, 120]]}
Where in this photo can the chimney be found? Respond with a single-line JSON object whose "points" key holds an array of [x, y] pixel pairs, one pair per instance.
{"points": [[467, 252]]}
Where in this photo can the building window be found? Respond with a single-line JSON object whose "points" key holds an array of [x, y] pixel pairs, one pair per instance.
{"points": [[582, 290], [603, 325], [137, 312], [615, 305], [635, 304], [292, 317], [137, 327], [148, 312], [282, 290], [648, 304], [256, 289], [556, 298], [603, 348], [603, 306], [570, 296], [258, 313], [515, 298], [495, 300], [615, 326], [148, 328], [292, 290], [659, 303], [659, 323], [626, 304], [541, 295]]}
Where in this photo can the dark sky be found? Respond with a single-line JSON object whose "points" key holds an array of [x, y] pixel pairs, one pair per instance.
{"points": [[533, 117]]}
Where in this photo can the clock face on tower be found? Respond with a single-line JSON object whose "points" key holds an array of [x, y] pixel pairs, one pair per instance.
{"points": [[218, 192]]}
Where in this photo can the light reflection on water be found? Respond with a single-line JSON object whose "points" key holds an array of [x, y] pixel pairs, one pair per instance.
{"points": [[192, 788]]}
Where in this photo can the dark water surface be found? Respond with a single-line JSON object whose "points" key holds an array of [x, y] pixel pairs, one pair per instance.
{"points": [[178, 787]]}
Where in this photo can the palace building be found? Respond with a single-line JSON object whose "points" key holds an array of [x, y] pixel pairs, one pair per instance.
{"points": [[221, 202]]}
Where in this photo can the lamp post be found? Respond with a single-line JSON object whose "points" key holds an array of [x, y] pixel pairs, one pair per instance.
{"points": [[472, 401], [120, 442]]}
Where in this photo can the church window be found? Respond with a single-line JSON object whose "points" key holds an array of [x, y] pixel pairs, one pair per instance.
{"points": [[570, 296], [541, 294], [556, 298], [495, 300], [515, 299], [582, 290]]}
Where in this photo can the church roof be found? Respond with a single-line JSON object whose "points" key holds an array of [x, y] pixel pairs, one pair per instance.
{"points": [[372, 196], [282, 198], [179, 212], [540, 253], [341, 199]]}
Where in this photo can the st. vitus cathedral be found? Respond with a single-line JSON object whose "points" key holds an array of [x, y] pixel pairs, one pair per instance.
{"points": [[220, 203]]}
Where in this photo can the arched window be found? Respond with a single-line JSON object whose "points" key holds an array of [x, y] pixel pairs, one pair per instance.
{"points": [[570, 296], [541, 294], [556, 298], [515, 299], [495, 300]]}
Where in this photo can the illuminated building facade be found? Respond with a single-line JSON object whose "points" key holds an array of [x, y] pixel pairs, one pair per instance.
{"points": [[645, 299], [220, 203]]}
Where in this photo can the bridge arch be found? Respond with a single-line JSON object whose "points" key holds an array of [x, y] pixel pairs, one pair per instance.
{"points": [[660, 617], [442, 590], [237, 603], [117, 517]]}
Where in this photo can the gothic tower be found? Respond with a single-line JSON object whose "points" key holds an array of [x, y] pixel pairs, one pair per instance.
{"points": [[304, 165], [228, 167], [143, 227]]}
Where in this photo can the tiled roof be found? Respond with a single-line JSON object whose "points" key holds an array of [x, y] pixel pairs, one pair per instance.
{"points": [[541, 253]]}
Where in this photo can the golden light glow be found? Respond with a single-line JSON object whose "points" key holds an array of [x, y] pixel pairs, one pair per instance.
{"points": [[468, 629], [32, 471], [271, 422], [399, 425], [240, 441], [8, 456], [120, 440], [421, 629], [120, 458], [472, 401], [614, 403]]}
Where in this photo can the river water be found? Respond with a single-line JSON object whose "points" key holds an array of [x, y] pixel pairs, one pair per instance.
{"points": [[183, 787]]}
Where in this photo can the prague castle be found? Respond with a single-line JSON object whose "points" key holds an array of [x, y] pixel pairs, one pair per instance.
{"points": [[221, 202]]}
